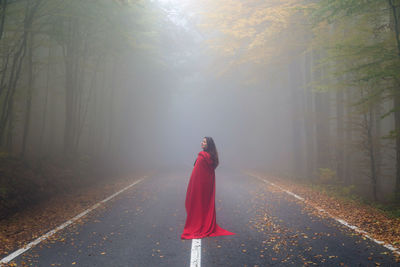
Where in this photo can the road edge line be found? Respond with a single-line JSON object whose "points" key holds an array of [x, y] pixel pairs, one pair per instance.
{"points": [[30, 245], [343, 222]]}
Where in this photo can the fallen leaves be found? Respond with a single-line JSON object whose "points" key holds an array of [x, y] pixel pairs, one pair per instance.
{"points": [[297, 242], [23, 227], [369, 219]]}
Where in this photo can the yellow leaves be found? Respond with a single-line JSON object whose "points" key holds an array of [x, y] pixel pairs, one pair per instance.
{"points": [[252, 31]]}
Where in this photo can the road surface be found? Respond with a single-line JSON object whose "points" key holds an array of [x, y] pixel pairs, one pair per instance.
{"points": [[142, 227]]}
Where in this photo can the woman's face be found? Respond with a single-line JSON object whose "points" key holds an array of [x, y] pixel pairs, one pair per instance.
{"points": [[204, 144]]}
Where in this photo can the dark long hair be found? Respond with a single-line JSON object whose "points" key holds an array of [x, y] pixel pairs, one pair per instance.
{"points": [[212, 150]]}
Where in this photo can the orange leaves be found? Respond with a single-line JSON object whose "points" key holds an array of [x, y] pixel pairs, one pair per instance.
{"points": [[30, 224], [371, 220]]}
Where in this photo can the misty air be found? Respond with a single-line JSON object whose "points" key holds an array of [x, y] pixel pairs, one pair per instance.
{"points": [[199, 133]]}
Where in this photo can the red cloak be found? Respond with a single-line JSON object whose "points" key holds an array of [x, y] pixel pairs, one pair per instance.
{"points": [[200, 201]]}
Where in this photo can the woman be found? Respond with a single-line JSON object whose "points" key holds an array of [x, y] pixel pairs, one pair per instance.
{"points": [[200, 196]]}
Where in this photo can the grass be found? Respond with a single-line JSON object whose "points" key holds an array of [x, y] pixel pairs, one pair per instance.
{"points": [[392, 209]]}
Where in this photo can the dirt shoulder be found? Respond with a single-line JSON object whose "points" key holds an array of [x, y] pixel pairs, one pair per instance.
{"points": [[29, 224], [373, 221]]}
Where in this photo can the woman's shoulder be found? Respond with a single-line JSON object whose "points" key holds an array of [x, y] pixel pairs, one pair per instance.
{"points": [[204, 153]]}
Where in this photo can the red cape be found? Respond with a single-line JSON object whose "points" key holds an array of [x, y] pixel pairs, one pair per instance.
{"points": [[200, 201]]}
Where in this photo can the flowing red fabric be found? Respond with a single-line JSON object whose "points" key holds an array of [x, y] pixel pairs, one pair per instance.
{"points": [[200, 201]]}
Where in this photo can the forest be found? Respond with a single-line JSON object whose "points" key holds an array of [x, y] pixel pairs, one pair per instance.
{"points": [[307, 90]]}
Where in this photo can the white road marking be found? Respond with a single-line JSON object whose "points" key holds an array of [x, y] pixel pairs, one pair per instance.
{"points": [[355, 228], [195, 256], [62, 226]]}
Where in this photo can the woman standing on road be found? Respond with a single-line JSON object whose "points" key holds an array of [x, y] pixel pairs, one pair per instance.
{"points": [[200, 195]]}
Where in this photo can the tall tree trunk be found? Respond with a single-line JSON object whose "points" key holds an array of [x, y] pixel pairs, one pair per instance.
{"points": [[102, 130], [111, 112], [80, 113], [30, 86], [3, 10], [10, 132], [93, 126], [321, 102], [348, 162], [396, 103], [16, 66], [371, 151], [308, 117], [297, 116], [44, 116], [71, 58], [368, 127], [340, 135], [85, 105], [377, 113], [11, 86], [5, 62], [395, 16]]}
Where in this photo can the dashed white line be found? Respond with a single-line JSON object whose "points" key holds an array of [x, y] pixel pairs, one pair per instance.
{"points": [[62, 226], [355, 228], [195, 256]]}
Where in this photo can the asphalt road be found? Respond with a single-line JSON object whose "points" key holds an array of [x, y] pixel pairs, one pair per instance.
{"points": [[142, 227]]}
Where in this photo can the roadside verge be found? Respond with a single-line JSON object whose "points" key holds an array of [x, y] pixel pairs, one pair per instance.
{"points": [[365, 220], [20, 229]]}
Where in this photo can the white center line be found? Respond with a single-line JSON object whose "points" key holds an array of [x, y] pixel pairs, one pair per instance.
{"points": [[195, 256], [62, 226]]}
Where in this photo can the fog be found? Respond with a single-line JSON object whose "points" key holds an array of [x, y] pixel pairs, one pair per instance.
{"points": [[246, 119], [137, 85]]}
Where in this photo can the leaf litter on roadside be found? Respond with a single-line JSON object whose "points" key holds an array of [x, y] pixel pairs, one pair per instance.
{"points": [[281, 237]]}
